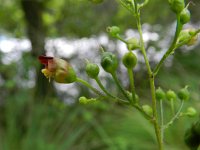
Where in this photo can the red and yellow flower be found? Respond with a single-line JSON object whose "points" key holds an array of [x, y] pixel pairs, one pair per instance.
{"points": [[57, 68]]}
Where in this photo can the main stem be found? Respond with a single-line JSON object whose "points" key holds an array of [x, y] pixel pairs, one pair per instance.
{"points": [[151, 80], [179, 27]]}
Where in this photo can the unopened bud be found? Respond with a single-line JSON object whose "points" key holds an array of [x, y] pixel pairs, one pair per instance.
{"points": [[113, 31], [133, 43], [191, 112], [109, 62], [92, 70], [184, 94], [171, 95], [185, 16], [188, 37], [160, 94], [177, 5], [147, 109], [129, 60], [84, 100]]}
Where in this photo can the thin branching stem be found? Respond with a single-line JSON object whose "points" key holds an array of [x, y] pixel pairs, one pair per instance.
{"points": [[151, 80]]}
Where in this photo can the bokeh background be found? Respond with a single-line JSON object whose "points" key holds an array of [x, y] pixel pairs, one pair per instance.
{"points": [[39, 115]]}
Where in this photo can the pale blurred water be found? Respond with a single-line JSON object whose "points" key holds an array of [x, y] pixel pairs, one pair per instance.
{"points": [[87, 48]]}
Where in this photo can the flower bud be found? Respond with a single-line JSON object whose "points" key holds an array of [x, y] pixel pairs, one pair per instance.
{"points": [[160, 94], [57, 68], [84, 100], [147, 109], [92, 70], [185, 16], [184, 94], [177, 5], [129, 60], [96, 1], [133, 43], [109, 62], [130, 96], [188, 36], [113, 31], [191, 112], [171, 95]]}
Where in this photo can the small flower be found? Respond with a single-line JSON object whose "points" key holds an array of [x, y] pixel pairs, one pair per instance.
{"points": [[57, 68]]}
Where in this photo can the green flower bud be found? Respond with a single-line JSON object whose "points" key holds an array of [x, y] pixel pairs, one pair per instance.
{"points": [[96, 1], [109, 62], [113, 31], [171, 95], [191, 112], [177, 5], [130, 96], [160, 94], [84, 100], [92, 70], [129, 60], [188, 36], [133, 43], [184, 94], [185, 16], [147, 109]]}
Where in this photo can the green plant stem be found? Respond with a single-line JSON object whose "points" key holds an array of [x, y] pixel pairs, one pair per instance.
{"points": [[124, 92], [89, 86], [120, 87], [175, 116], [131, 78], [179, 27], [161, 121], [151, 80], [172, 106], [121, 39], [108, 94]]}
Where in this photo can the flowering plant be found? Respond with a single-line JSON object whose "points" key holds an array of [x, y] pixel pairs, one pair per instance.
{"points": [[63, 72]]}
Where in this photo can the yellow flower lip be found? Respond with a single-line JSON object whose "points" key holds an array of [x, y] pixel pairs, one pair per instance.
{"points": [[47, 73]]}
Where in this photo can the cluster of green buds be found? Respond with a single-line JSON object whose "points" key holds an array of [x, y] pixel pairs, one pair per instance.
{"points": [[178, 6], [183, 94]]}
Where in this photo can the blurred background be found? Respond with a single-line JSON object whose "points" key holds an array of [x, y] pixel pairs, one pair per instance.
{"points": [[39, 115]]}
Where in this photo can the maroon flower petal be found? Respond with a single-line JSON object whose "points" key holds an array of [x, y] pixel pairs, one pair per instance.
{"points": [[44, 59]]}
